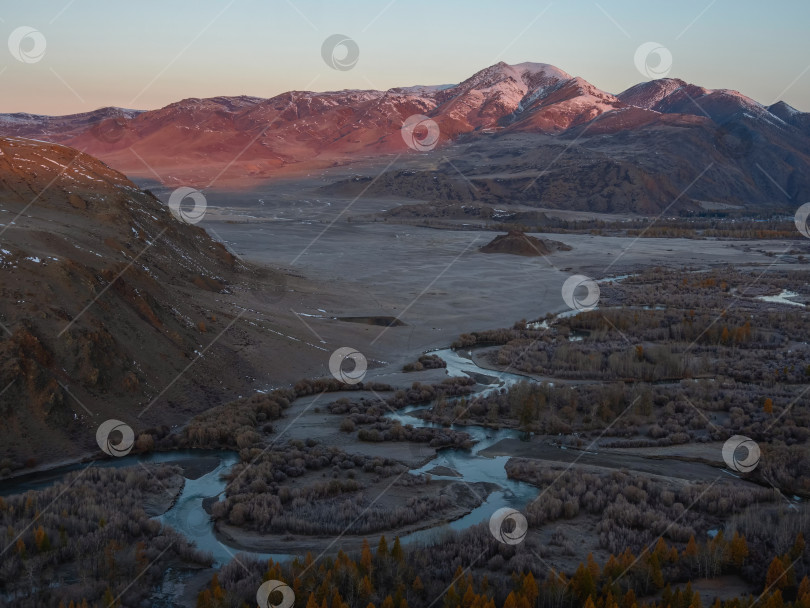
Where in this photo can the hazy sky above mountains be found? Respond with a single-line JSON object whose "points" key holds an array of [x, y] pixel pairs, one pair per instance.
{"points": [[149, 53]]}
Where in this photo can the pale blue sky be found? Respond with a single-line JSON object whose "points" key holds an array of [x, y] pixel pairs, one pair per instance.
{"points": [[148, 53]]}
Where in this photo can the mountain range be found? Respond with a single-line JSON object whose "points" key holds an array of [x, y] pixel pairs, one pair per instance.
{"points": [[764, 151]]}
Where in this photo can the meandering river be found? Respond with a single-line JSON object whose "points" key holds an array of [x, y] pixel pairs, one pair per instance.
{"points": [[188, 516]]}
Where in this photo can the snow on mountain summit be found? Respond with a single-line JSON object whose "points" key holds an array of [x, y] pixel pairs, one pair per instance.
{"points": [[647, 94], [544, 69]]}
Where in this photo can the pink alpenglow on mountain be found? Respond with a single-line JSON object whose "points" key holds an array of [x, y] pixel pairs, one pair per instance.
{"points": [[243, 140]]}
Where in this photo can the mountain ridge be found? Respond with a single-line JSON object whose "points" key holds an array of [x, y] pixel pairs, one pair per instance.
{"points": [[243, 140]]}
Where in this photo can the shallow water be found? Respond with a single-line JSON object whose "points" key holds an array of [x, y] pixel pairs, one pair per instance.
{"points": [[458, 365], [188, 516], [473, 468], [782, 298]]}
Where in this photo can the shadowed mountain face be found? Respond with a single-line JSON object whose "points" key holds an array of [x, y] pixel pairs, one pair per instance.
{"points": [[578, 145], [106, 298], [675, 168]]}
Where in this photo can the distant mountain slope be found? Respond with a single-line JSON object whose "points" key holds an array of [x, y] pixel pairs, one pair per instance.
{"points": [[673, 164], [674, 96], [240, 141], [24, 125]]}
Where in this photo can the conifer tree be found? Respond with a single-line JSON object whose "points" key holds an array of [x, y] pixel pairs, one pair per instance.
{"points": [[775, 578], [739, 549], [365, 557], [396, 551], [530, 589]]}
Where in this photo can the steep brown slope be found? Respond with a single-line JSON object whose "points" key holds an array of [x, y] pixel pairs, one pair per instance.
{"points": [[105, 300]]}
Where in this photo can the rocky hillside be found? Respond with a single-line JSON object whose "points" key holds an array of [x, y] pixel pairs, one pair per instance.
{"points": [[520, 243], [105, 300]]}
